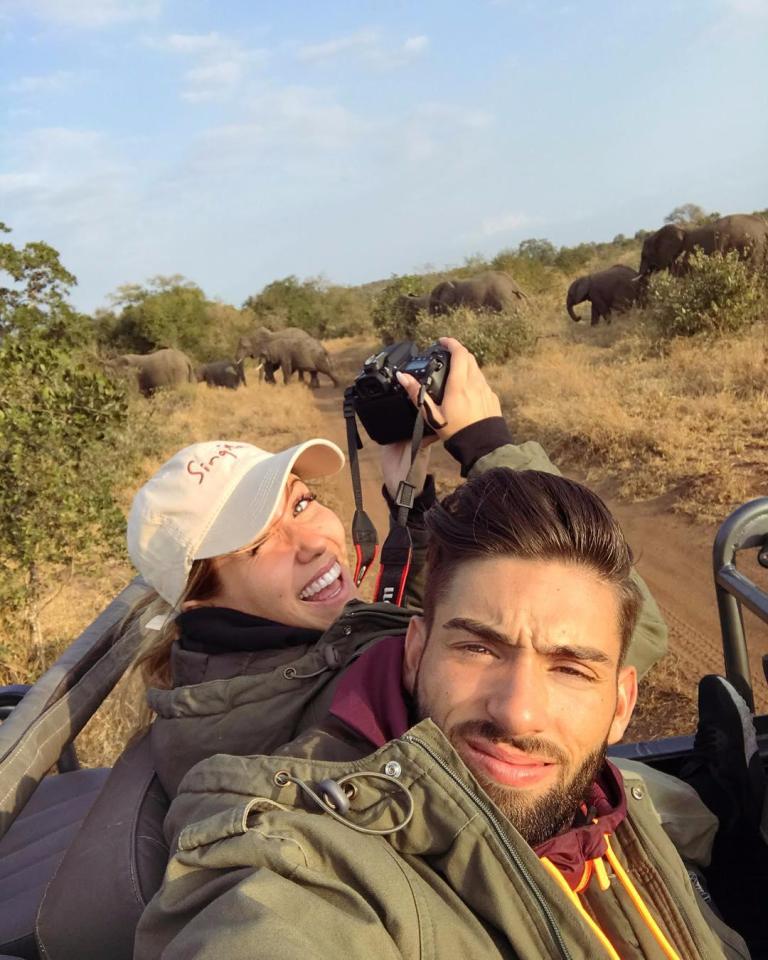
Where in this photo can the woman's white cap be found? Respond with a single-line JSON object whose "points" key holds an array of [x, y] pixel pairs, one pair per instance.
{"points": [[210, 499]]}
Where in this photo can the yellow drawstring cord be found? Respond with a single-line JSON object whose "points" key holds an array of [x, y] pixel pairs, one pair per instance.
{"points": [[574, 898], [601, 873], [634, 896], [597, 866]]}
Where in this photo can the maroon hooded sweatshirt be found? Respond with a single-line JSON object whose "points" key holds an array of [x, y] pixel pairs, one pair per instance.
{"points": [[371, 701]]}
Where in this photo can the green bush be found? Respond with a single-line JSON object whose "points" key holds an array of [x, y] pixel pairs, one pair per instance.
{"points": [[389, 321], [169, 312], [322, 309], [60, 422], [491, 337], [715, 296]]}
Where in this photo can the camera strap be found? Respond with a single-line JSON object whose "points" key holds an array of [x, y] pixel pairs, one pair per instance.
{"points": [[364, 536], [397, 551]]}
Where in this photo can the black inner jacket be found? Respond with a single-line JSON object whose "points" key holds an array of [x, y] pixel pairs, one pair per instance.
{"points": [[221, 630]]}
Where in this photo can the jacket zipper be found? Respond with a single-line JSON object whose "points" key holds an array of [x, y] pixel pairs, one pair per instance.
{"points": [[511, 854]]}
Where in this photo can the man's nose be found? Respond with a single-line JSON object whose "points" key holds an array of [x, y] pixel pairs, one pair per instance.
{"points": [[518, 700]]}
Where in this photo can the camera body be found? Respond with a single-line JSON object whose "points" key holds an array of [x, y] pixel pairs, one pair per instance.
{"points": [[382, 404]]}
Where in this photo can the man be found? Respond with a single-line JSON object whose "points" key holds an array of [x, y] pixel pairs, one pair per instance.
{"points": [[457, 802]]}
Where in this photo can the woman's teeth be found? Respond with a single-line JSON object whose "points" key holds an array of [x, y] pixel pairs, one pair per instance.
{"points": [[321, 583]]}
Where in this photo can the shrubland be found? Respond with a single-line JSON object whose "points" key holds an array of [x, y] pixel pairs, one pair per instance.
{"points": [[323, 309], [170, 312], [66, 442], [671, 398], [715, 297]]}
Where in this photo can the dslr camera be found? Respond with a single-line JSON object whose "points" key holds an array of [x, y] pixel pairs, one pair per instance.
{"points": [[382, 404]]}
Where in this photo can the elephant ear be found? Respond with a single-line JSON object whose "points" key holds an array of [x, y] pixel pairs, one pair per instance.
{"points": [[579, 289], [669, 244]]}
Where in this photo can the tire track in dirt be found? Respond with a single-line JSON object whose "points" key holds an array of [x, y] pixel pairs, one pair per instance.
{"points": [[673, 554]]}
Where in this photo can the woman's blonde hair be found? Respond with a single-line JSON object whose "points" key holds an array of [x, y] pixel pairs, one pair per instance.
{"points": [[153, 661]]}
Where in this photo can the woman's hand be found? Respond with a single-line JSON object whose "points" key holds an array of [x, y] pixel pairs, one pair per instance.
{"points": [[467, 398], [396, 461]]}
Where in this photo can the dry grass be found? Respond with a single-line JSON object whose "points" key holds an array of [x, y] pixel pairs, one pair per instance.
{"points": [[663, 708], [690, 420]]}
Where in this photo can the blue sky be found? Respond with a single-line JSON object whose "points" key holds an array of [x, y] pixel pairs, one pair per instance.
{"points": [[236, 142]]}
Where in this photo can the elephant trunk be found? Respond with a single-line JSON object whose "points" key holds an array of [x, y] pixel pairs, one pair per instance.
{"points": [[578, 292]]}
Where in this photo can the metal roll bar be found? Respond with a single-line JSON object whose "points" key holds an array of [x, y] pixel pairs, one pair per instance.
{"points": [[746, 528]]}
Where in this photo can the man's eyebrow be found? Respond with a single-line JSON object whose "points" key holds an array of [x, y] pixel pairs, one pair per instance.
{"points": [[486, 632]]}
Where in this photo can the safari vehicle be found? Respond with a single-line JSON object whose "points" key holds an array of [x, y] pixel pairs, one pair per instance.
{"points": [[82, 851]]}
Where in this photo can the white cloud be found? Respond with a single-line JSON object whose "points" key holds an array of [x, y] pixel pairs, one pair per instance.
{"points": [[87, 13], [504, 223], [416, 44], [361, 40], [746, 9], [299, 119], [221, 64], [56, 82], [61, 163], [192, 42], [13, 184], [453, 115], [213, 82], [368, 45]]}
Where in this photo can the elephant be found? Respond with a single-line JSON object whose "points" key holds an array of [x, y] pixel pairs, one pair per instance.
{"points": [[671, 246], [267, 370], [222, 373], [288, 353], [616, 288], [487, 291], [163, 368], [410, 304]]}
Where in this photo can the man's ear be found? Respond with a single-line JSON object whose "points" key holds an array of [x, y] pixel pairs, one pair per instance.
{"points": [[626, 698], [415, 641]]}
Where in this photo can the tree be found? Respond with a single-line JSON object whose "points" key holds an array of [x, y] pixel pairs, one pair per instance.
{"points": [[389, 320], [60, 420], [687, 215], [542, 250], [35, 296], [287, 303], [167, 312], [313, 305]]}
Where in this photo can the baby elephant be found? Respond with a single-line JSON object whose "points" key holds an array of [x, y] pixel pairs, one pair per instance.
{"points": [[222, 373], [616, 288]]}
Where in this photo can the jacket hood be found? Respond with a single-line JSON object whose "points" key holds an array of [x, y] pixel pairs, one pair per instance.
{"points": [[371, 701], [252, 701]]}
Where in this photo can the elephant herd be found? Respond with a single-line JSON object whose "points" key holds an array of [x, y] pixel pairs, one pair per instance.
{"points": [[290, 350], [669, 248], [492, 290], [293, 350]]}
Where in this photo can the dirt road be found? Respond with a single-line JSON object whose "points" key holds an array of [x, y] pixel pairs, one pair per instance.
{"points": [[674, 557]]}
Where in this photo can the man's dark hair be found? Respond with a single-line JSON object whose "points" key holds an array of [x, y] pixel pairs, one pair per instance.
{"points": [[530, 516]]}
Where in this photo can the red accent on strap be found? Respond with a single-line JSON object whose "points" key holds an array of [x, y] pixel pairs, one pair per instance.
{"points": [[401, 585], [361, 565], [403, 579]]}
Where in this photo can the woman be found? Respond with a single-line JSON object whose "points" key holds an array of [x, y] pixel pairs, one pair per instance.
{"points": [[232, 537]]}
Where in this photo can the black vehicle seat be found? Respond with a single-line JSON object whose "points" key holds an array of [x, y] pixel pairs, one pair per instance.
{"points": [[33, 848], [112, 868]]}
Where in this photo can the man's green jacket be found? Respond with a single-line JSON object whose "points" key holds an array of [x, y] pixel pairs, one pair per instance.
{"points": [[399, 855]]}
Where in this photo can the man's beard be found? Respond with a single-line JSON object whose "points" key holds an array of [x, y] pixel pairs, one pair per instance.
{"points": [[536, 818]]}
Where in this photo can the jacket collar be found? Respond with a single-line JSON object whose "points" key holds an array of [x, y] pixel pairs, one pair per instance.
{"points": [[250, 658], [371, 701]]}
